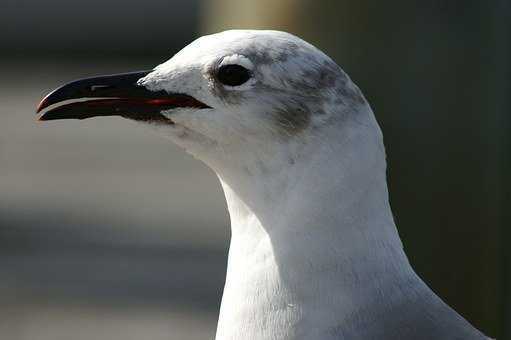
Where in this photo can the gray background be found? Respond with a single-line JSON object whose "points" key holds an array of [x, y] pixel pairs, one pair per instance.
{"points": [[108, 231]]}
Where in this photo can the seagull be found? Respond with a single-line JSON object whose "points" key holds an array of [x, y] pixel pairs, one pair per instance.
{"points": [[314, 251]]}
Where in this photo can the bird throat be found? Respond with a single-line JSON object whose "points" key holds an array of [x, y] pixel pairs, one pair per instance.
{"points": [[302, 270]]}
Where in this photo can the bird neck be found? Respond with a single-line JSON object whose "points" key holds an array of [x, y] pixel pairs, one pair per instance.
{"points": [[312, 245]]}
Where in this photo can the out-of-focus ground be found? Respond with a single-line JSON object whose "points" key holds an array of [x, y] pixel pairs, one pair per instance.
{"points": [[50, 321], [108, 231]]}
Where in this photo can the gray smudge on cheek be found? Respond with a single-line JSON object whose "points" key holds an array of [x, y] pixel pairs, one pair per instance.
{"points": [[291, 120], [319, 85]]}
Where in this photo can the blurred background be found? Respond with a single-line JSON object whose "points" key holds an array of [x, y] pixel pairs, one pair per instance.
{"points": [[108, 231]]}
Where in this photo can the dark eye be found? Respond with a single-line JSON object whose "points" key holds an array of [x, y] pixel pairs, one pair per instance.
{"points": [[233, 75]]}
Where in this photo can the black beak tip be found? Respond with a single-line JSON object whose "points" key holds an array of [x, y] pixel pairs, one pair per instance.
{"points": [[41, 106]]}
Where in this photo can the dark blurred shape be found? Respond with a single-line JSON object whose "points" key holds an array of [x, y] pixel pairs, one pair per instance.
{"points": [[96, 28], [92, 265]]}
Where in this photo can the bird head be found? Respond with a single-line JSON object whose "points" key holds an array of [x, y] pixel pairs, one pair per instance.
{"points": [[238, 99]]}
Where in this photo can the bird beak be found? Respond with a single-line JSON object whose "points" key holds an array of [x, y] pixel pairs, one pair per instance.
{"points": [[113, 95]]}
